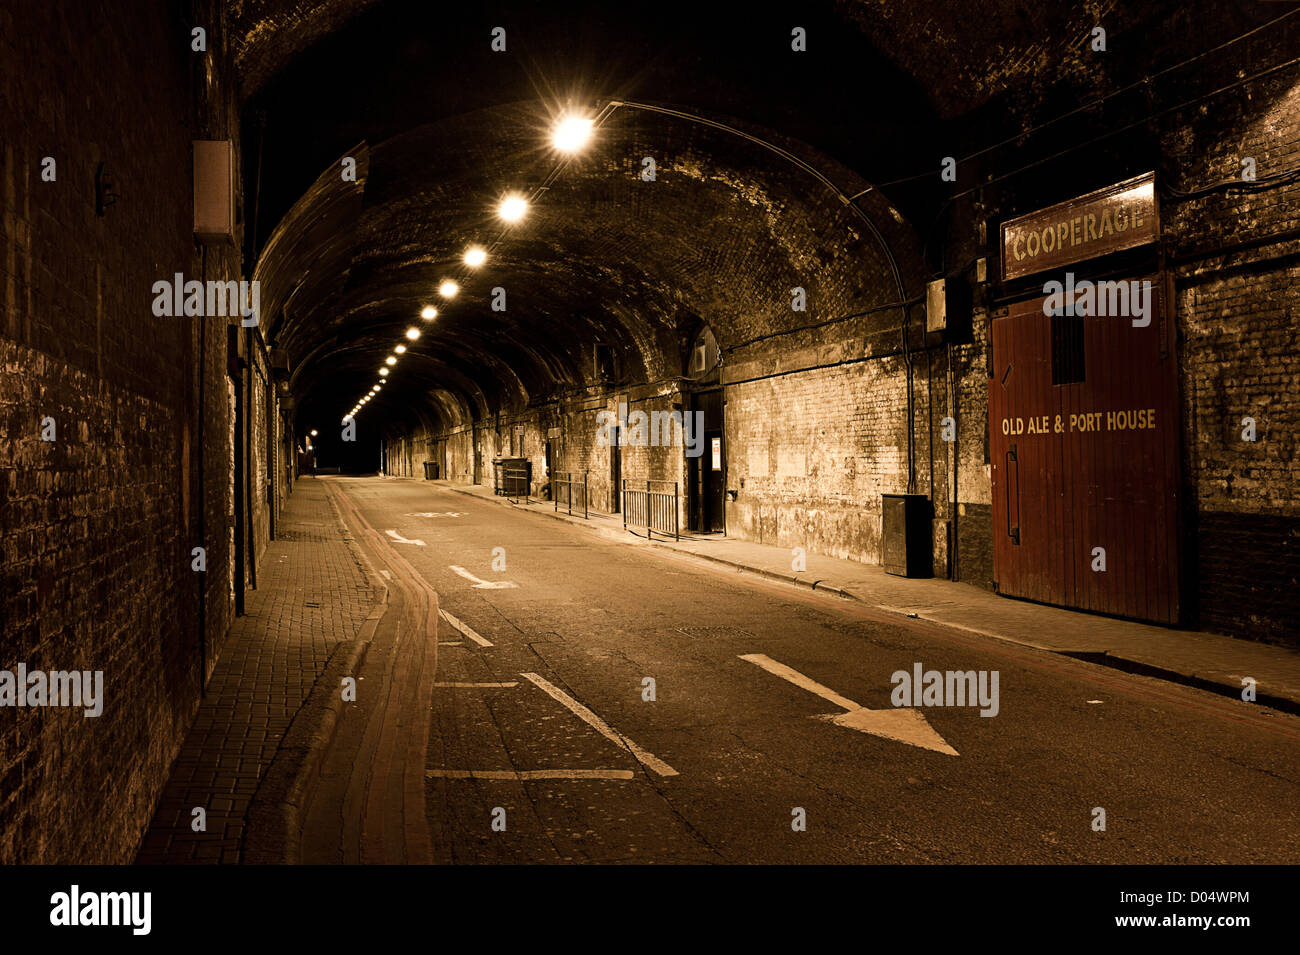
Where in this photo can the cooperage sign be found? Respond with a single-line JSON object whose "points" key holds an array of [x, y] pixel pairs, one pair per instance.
{"points": [[1121, 216]]}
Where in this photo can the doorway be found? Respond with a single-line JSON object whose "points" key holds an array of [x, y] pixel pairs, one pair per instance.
{"points": [[1085, 466], [706, 474], [548, 464], [616, 469]]}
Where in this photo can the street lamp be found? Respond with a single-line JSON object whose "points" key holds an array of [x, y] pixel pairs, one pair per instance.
{"points": [[513, 207], [572, 133]]}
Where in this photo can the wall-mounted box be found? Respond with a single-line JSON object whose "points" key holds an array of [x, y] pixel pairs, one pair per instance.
{"points": [[948, 309], [214, 191]]}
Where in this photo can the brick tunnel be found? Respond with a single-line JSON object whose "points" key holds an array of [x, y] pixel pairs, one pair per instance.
{"points": [[385, 386]]}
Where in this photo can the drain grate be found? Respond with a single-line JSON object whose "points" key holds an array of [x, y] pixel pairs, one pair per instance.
{"points": [[713, 632]]}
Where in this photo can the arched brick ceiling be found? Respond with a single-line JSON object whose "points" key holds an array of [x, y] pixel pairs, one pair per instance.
{"points": [[723, 234], [392, 67], [962, 53]]}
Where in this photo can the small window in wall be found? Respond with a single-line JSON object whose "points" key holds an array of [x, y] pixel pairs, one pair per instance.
{"points": [[1067, 349]]}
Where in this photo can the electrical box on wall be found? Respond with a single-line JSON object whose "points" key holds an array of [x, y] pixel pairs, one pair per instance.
{"points": [[948, 309], [906, 538], [214, 190]]}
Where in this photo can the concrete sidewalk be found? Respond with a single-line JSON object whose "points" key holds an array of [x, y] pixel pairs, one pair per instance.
{"points": [[1210, 661]]}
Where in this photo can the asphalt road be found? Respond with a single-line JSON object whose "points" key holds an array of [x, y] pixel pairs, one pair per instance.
{"points": [[545, 748]]}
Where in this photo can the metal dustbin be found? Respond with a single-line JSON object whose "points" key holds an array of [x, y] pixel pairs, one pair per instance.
{"points": [[431, 470], [513, 476], [906, 541]]}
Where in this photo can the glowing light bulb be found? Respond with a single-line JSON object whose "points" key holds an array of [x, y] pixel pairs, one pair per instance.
{"points": [[513, 208]]}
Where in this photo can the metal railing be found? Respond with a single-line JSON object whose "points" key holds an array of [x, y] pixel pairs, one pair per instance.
{"points": [[655, 510], [564, 485]]}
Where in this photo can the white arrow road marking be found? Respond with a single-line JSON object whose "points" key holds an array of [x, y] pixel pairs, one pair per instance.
{"points": [[435, 514], [479, 583], [902, 725], [529, 774], [601, 727], [464, 628], [402, 540]]}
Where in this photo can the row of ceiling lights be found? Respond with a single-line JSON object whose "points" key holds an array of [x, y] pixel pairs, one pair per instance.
{"points": [[569, 135]]}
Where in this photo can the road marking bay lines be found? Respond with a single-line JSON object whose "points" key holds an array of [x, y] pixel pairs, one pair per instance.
{"points": [[464, 628], [600, 726]]}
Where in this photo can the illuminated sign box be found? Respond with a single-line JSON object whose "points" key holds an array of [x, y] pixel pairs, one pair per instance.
{"points": [[1121, 216]]}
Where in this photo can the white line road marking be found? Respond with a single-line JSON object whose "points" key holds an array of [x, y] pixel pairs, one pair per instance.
{"points": [[402, 540], [434, 514], [464, 628], [387, 575], [486, 686], [901, 725], [601, 727], [479, 583], [527, 774], [451, 643]]}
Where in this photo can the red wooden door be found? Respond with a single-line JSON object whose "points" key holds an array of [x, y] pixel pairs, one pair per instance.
{"points": [[1084, 454]]}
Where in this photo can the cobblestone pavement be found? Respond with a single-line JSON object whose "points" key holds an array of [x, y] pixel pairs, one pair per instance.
{"points": [[313, 594]]}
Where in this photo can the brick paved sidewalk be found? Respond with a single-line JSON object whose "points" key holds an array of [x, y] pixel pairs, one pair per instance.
{"points": [[313, 594]]}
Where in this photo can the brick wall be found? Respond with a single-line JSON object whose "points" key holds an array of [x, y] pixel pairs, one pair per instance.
{"points": [[1238, 303], [98, 525]]}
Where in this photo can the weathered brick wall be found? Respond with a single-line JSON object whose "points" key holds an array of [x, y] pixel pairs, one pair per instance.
{"points": [[1238, 304], [810, 455], [94, 573], [98, 525]]}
